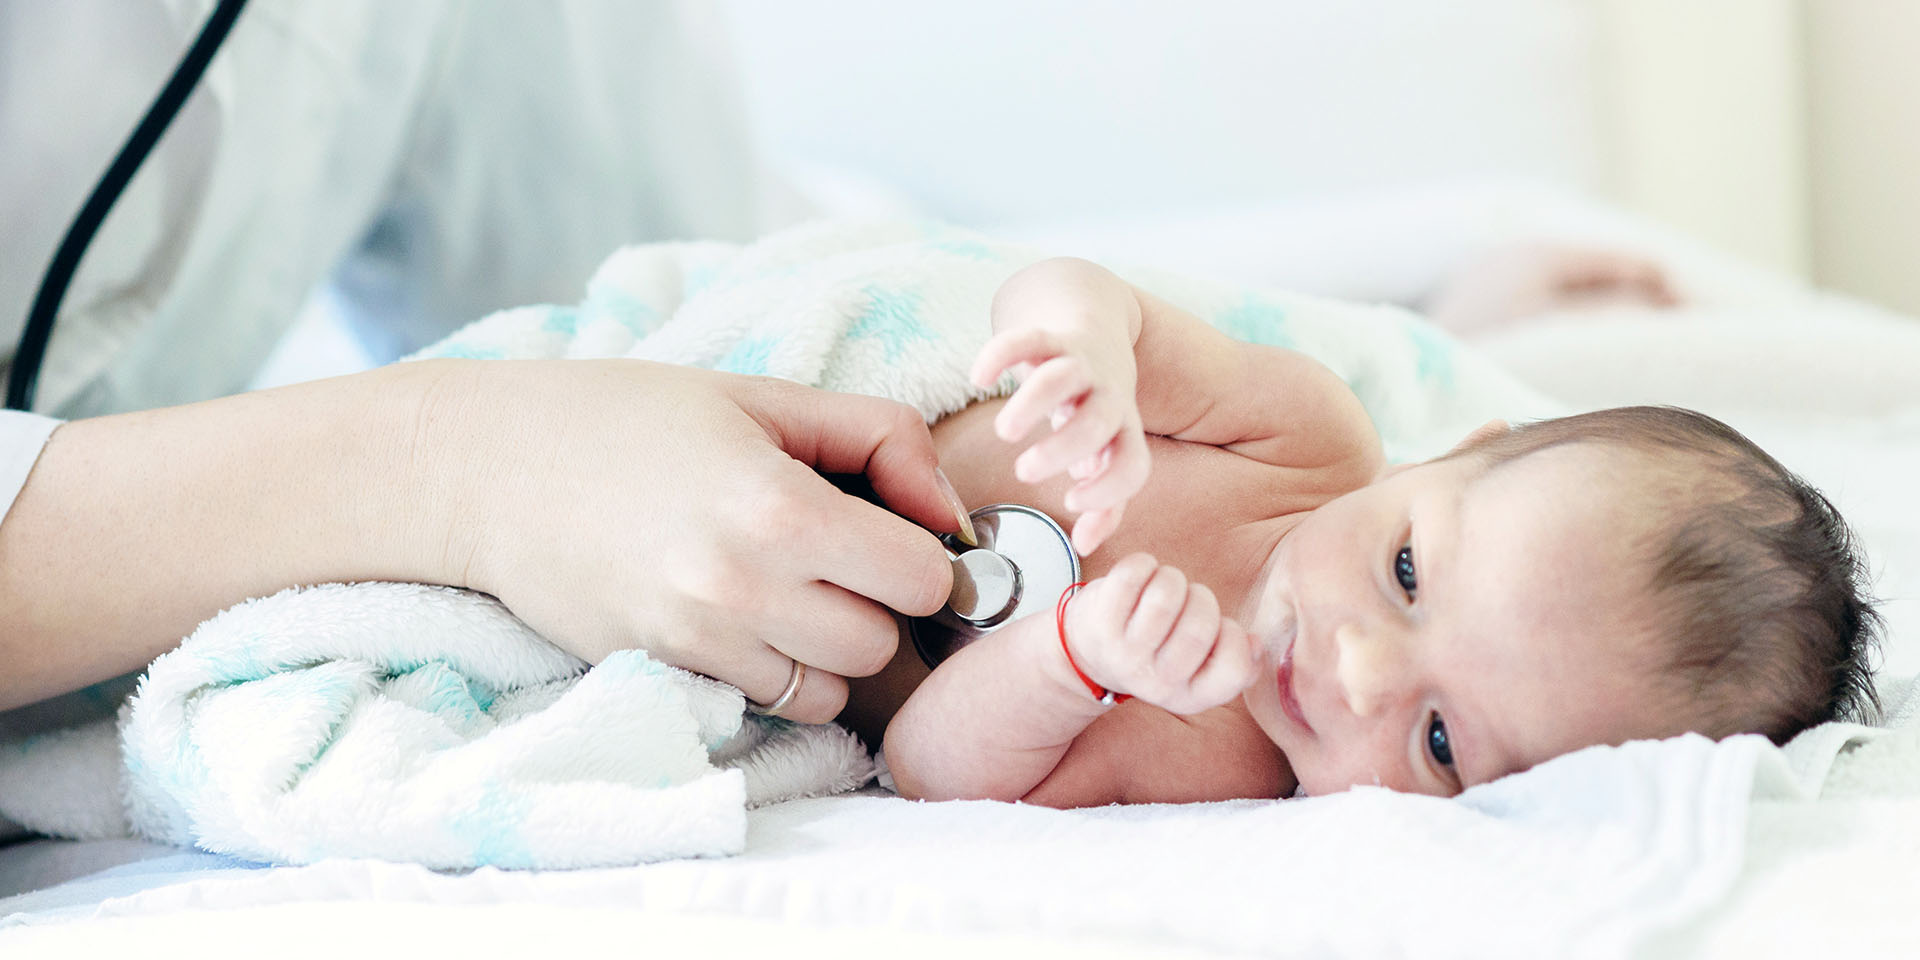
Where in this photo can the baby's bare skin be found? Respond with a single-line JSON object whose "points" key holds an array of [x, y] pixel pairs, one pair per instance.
{"points": [[1212, 513], [1285, 609], [1128, 409]]}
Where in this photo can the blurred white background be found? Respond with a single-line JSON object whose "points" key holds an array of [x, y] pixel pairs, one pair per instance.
{"points": [[1781, 131], [1362, 149]]}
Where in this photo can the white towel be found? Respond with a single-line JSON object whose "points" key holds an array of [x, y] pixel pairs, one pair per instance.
{"points": [[423, 724]]}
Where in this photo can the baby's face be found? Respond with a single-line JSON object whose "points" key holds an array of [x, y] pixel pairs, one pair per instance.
{"points": [[1450, 624]]}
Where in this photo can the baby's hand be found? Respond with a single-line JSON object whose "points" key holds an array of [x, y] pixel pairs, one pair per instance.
{"points": [[1143, 629], [1082, 385]]}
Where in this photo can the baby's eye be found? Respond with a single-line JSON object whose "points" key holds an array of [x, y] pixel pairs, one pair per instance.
{"points": [[1437, 743], [1403, 570]]}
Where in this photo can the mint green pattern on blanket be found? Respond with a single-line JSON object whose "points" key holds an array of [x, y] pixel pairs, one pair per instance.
{"points": [[749, 356], [561, 320], [492, 828], [1255, 320], [609, 301], [892, 317], [1433, 353]]}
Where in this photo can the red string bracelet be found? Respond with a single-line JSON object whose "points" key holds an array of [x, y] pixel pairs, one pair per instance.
{"points": [[1100, 693]]}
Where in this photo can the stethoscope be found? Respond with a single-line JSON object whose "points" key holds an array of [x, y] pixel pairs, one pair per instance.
{"points": [[24, 373], [1019, 563], [1022, 563]]}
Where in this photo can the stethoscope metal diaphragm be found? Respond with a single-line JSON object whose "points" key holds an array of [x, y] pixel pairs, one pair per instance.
{"points": [[1022, 563]]}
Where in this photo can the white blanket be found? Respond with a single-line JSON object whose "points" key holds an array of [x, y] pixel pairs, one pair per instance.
{"points": [[421, 724], [1585, 856], [365, 725]]}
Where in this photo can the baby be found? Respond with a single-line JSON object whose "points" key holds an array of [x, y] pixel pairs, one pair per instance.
{"points": [[1625, 574]]}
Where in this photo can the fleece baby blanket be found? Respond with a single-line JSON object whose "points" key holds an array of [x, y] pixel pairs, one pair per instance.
{"points": [[428, 725]]}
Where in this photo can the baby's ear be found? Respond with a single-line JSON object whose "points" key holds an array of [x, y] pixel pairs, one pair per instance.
{"points": [[1491, 430]]}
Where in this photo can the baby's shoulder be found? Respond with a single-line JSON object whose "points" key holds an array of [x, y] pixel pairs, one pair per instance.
{"points": [[1239, 487]]}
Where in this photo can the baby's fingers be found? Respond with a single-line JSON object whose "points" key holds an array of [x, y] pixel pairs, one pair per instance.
{"points": [[1098, 613], [1228, 669], [1161, 602], [1191, 639], [1125, 474], [1052, 385], [1094, 527], [1088, 429], [1029, 345]]}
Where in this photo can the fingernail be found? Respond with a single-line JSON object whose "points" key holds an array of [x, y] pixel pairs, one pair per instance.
{"points": [[959, 509]]}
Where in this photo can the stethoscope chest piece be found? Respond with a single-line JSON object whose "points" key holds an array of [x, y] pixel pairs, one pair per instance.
{"points": [[1023, 563]]}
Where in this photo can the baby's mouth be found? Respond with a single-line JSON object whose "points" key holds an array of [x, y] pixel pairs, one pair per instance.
{"points": [[1283, 679]]}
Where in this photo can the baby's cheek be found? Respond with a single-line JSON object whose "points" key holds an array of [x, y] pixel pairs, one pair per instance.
{"points": [[1336, 767]]}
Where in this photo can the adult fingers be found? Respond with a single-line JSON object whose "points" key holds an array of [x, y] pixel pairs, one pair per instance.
{"points": [[820, 696], [832, 628], [762, 673], [853, 544], [850, 433]]}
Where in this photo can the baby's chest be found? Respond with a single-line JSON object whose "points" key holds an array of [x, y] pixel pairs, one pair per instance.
{"points": [[1195, 495]]}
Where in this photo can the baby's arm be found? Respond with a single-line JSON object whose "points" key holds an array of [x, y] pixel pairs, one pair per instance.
{"points": [[996, 720], [1103, 362]]}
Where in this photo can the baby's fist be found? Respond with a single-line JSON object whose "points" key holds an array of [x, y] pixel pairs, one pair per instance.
{"points": [[1144, 629]]}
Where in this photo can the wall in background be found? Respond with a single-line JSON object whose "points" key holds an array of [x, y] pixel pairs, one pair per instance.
{"points": [[1703, 114], [1784, 131], [1863, 72], [997, 111]]}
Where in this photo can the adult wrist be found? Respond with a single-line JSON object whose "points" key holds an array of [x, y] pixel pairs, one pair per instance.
{"points": [[434, 479]]}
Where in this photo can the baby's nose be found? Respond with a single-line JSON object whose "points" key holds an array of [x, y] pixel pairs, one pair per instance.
{"points": [[1372, 670]]}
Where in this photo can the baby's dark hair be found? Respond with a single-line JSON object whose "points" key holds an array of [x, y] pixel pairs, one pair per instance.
{"points": [[1757, 580]]}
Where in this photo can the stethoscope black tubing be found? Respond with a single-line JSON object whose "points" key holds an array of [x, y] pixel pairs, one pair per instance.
{"points": [[24, 374]]}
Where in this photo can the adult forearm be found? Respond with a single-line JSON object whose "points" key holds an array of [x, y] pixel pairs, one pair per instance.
{"points": [[134, 528]]}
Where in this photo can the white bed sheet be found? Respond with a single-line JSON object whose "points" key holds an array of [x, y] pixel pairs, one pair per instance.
{"points": [[1222, 878]]}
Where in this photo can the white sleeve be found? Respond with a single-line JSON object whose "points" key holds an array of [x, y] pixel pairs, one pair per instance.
{"points": [[511, 190], [22, 435]]}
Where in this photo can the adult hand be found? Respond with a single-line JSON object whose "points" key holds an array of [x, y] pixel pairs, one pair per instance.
{"points": [[619, 503]]}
